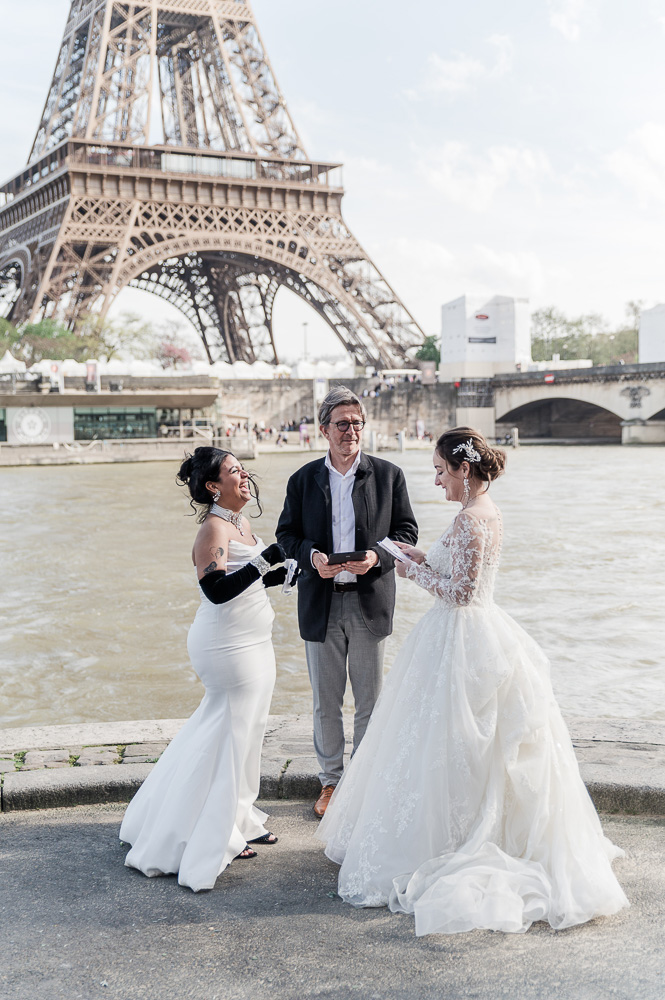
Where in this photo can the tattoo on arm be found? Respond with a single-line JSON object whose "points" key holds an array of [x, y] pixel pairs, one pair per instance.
{"points": [[218, 553], [210, 568]]}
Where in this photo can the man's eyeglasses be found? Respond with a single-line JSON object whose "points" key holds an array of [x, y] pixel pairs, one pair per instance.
{"points": [[343, 425]]}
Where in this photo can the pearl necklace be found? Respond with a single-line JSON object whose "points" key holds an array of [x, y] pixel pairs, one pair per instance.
{"points": [[235, 517]]}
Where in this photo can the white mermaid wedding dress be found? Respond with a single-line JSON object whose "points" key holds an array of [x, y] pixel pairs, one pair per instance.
{"points": [[195, 811], [464, 804]]}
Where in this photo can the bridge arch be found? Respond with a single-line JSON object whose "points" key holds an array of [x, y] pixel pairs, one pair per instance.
{"points": [[562, 417]]}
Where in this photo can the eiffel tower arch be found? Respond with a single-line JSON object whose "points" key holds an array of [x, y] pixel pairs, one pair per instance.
{"points": [[214, 217]]}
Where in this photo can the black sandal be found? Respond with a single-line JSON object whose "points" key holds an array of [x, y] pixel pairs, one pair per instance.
{"points": [[265, 839], [246, 854]]}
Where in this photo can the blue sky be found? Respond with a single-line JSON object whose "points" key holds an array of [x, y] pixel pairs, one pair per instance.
{"points": [[514, 148]]}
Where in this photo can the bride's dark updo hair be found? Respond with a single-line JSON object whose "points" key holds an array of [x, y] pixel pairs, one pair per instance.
{"points": [[203, 467], [492, 462]]}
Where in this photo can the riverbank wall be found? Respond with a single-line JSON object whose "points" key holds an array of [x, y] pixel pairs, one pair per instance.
{"points": [[389, 411], [270, 403]]}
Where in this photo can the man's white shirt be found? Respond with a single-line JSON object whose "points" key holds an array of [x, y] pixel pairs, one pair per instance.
{"points": [[343, 514]]}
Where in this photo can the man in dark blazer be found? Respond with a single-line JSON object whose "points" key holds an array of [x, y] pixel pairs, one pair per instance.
{"points": [[345, 502]]}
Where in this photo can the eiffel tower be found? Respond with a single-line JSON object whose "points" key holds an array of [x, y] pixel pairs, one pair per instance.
{"points": [[218, 214]]}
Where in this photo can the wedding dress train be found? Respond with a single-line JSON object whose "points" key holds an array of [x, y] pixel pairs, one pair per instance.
{"points": [[464, 804], [195, 811]]}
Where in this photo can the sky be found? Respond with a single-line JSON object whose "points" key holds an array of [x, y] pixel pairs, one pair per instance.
{"points": [[514, 148]]}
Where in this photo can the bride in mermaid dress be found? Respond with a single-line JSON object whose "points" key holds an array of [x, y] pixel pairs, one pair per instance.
{"points": [[464, 804], [195, 812]]}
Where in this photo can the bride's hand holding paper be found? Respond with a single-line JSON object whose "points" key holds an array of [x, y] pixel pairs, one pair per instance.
{"points": [[412, 554], [402, 553]]}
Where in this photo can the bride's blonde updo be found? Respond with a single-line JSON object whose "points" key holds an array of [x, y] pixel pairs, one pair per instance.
{"points": [[492, 461]]}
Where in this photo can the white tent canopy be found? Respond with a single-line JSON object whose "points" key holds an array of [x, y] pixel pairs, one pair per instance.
{"points": [[9, 364]]}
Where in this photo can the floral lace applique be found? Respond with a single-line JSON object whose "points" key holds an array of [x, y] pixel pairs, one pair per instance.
{"points": [[464, 572]]}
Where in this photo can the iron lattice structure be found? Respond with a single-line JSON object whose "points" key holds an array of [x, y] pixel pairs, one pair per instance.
{"points": [[217, 214]]}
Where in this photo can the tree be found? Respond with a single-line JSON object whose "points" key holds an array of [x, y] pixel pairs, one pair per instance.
{"points": [[9, 337], [171, 355], [429, 350], [111, 338], [587, 336], [49, 339], [94, 337]]}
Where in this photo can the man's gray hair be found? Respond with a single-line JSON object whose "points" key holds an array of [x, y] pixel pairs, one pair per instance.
{"points": [[339, 395]]}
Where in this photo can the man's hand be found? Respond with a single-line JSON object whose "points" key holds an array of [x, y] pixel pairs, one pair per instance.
{"points": [[363, 566], [325, 571]]}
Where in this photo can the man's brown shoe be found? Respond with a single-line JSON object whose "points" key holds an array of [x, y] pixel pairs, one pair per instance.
{"points": [[321, 803]]}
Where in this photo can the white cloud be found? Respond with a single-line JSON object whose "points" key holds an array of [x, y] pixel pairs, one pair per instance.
{"points": [[472, 181], [462, 72], [425, 273], [508, 272], [567, 16], [640, 162]]}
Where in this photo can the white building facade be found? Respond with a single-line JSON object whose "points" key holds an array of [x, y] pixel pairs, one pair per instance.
{"points": [[651, 348], [483, 337]]}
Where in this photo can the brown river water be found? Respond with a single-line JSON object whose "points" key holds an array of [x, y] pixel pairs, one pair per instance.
{"points": [[97, 588]]}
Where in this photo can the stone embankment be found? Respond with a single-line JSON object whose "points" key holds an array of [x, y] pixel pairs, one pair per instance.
{"points": [[622, 762]]}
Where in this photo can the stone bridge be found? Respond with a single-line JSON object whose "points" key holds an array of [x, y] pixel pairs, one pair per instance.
{"points": [[623, 403]]}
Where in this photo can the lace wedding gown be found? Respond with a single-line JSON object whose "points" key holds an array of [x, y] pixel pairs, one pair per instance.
{"points": [[195, 811], [464, 804]]}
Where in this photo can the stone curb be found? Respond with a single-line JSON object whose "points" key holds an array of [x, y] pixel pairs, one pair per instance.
{"points": [[622, 763], [118, 783], [76, 786], [72, 786]]}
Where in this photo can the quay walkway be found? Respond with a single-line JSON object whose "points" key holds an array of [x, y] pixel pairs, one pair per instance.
{"points": [[622, 762]]}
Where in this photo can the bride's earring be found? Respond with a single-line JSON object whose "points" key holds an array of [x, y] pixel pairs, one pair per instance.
{"points": [[466, 492], [215, 497]]}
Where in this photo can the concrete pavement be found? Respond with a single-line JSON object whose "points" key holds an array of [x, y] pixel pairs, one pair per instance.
{"points": [[79, 925]]}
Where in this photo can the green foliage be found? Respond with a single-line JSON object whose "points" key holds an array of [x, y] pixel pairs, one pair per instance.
{"points": [[429, 350], [110, 338], [93, 337], [49, 339], [588, 336], [9, 335]]}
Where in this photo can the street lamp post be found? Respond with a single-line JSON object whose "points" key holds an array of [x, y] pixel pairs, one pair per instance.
{"points": [[304, 337]]}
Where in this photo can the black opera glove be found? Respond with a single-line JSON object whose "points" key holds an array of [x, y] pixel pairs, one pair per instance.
{"points": [[275, 577], [273, 554], [220, 588]]}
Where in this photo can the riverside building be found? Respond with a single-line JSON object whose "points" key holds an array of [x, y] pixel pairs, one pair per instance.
{"points": [[483, 337]]}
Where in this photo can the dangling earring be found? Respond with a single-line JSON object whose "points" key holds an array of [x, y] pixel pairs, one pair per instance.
{"points": [[466, 493], [215, 497]]}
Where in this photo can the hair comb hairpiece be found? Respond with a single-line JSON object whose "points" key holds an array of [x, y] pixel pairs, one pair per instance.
{"points": [[467, 447]]}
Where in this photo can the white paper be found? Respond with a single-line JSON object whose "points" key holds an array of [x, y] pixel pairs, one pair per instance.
{"points": [[388, 544], [291, 567]]}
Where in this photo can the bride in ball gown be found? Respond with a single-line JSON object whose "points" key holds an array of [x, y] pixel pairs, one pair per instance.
{"points": [[464, 804], [195, 812]]}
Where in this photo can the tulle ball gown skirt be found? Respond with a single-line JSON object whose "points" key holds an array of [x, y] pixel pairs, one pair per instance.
{"points": [[464, 804], [195, 812]]}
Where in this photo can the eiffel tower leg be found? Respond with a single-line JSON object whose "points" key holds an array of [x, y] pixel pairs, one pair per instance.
{"points": [[184, 283]]}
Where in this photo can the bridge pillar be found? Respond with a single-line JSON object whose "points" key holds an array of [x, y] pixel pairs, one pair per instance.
{"points": [[481, 418], [643, 432]]}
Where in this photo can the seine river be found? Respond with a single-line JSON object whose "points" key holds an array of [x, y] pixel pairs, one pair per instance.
{"points": [[98, 590]]}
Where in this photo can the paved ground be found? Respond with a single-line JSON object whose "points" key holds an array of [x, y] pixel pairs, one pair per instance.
{"points": [[78, 924]]}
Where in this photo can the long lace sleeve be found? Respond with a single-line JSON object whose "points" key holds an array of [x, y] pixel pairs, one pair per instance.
{"points": [[467, 544]]}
